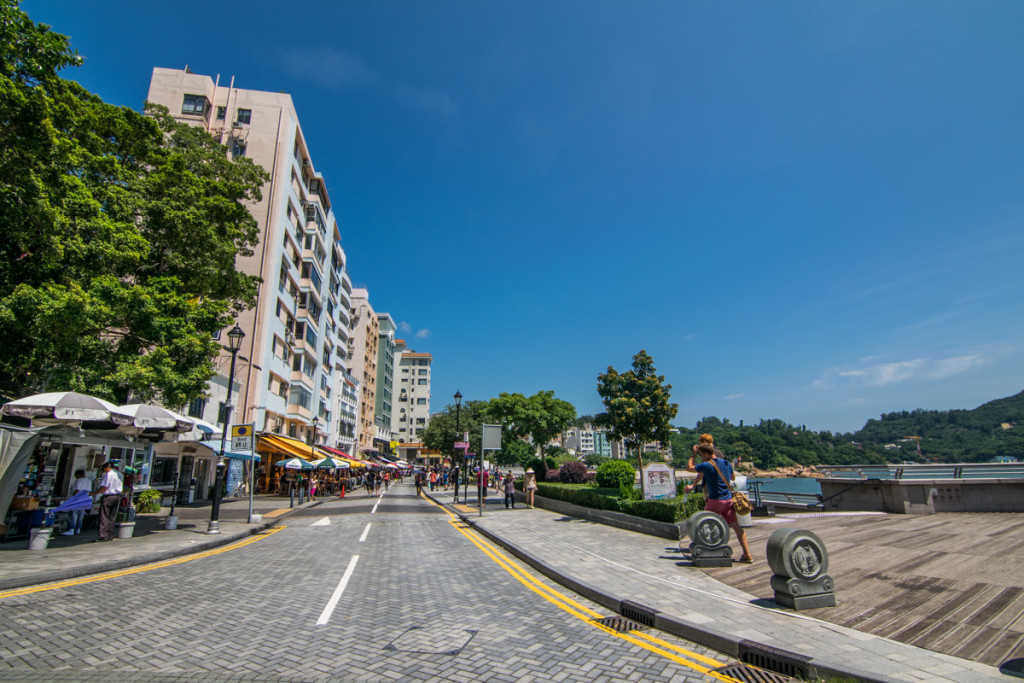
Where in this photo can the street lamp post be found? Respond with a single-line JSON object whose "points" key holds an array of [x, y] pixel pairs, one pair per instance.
{"points": [[312, 452], [462, 461], [235, 337]]}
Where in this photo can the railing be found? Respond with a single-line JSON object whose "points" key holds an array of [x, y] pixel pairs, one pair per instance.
{"points": [[801, 500], [986, 470]]}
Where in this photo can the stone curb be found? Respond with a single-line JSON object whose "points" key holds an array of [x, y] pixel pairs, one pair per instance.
{"points": [[701, 634], [104, 566]]}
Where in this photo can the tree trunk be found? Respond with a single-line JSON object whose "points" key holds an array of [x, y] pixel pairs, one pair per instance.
{"points": [[640, 460]]}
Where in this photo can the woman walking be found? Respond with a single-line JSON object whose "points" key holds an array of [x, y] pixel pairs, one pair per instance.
{"points": [[530, 486]]}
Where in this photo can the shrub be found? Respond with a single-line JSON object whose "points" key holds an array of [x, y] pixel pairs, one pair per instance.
{"points": [[551, 475], [572, 473], [615, 474], [149, 501]]}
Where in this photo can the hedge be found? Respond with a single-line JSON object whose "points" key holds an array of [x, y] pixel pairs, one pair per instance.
{"points": [[671, 510]]}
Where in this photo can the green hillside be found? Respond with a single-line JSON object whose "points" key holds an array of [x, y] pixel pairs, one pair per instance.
{"points": [[979, 435]]}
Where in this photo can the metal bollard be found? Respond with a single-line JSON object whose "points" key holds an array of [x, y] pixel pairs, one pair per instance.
{"points": [[291, 497]]}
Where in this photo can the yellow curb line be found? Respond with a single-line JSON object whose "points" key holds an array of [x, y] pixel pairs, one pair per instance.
{"points": [[143, 568]]}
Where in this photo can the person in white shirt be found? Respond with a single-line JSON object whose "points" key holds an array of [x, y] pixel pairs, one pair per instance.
{"points": [[82, 483], [109, 489]]}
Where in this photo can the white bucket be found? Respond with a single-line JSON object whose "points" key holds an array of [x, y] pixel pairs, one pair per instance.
{"points": [[740, 482], [746, 520], [125, 529], [171, 523], [39, 537]]}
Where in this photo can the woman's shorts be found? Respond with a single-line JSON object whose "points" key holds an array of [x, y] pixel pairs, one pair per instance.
{"points": [[722, 507]]}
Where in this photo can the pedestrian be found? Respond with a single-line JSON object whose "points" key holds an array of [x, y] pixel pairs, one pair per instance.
{"points": [[716, 472], [530, 485], [109, 487], [312, 487], [481, 484], [419, 482], [369, 483], [82, 483], [455, 482], [433, 478], [508, 484]]}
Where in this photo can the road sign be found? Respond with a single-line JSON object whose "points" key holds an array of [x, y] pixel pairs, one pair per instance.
{"points": [[241, 437], [464, 445]]}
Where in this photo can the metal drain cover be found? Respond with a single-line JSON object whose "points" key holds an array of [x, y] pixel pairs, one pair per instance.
{"points": [[421, 640], [620, 624], [748, 674]]}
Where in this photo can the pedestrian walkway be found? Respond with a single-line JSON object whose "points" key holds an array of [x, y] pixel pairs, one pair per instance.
{"points": [[69, 557], [610, 566]]}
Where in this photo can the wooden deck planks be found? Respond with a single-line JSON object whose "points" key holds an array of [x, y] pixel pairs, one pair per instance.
{"points": [[951, 582]]}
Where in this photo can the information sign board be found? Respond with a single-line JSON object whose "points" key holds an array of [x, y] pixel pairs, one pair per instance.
{"points": [[659, 481]]}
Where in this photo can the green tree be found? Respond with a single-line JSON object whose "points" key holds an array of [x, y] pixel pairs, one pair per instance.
{"points": [[637, 407], [118, 234], [540, 417], [514, 452], [441, 433]]}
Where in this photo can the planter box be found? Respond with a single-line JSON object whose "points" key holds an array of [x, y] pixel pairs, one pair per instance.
{"points": [[650, 527]]}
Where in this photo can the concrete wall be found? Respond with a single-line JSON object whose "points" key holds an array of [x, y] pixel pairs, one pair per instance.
{"points": [[923, 496]]}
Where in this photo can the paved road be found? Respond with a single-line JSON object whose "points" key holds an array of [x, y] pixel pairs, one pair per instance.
{"points": [[414, 597]]}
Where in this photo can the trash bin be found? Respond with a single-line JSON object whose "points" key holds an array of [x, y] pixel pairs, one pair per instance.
{"points": [[125, 529], [740, 484], [39, 537]]}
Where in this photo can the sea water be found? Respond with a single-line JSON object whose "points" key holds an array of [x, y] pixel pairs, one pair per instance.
{"points": [[805, 485]]}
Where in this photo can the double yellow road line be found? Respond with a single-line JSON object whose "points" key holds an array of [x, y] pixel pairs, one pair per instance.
{"points": [[679, 655]]}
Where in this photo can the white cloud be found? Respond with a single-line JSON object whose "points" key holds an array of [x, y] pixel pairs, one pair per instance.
{"points": [[690, 337], [404, 327], [870, 373], [731, 397], [422, 334]]}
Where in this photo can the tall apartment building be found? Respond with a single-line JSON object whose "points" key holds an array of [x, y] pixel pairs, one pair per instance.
{"points": [[579, 441], [413, 385], [385, 382], [362, 359], [293, 355]]}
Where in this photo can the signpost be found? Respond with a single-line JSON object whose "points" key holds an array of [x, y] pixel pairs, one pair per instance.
{"points": [[242, 437], [490, 441]]}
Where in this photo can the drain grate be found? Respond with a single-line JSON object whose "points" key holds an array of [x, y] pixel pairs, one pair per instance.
{"points": [[748, 674], [774, 659], [639, 613], [620, 624]]}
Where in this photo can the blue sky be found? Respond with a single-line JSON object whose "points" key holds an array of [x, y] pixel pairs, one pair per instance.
{"points": [[804, 210]]}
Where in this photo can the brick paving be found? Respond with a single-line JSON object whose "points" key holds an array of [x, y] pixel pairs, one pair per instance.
{"points": [[422, 604]]}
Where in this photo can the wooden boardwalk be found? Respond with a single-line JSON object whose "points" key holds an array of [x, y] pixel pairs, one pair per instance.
{"points": [[951, 583]]}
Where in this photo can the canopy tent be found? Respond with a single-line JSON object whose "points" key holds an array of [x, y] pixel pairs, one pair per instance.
{"points": [[335, 453], [282, 445], [329, 463], [294, 464], [214, 445]]}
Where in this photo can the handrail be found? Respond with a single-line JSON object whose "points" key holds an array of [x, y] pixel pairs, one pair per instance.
{"points": [[925, 471]]}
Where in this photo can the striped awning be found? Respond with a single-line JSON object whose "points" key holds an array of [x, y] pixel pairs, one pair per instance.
{"points": [[290, 448]]}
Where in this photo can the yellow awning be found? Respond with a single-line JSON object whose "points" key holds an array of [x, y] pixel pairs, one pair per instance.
{"points": [[292, 448]]}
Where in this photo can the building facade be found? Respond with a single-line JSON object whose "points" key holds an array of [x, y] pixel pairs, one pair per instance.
{"points": [[413, 373], [385, 383], [294, 355], [362, 359]]}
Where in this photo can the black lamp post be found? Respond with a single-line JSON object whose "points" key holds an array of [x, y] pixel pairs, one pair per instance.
{"points": [[462, 460], [235, 337]]}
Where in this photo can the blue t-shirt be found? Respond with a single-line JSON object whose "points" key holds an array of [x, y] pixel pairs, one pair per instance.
{"points": [[717, 489]]}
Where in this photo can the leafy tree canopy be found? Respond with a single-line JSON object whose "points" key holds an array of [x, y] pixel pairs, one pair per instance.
{"points": [[119, 234], [441, 433], [540, 417], [637, 407]]}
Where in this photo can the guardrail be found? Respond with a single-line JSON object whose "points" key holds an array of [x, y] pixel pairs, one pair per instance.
{"points": [[802, 500], [1012, 470]]}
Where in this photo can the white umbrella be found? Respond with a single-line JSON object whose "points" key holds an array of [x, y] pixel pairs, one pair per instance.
{"points": [[63, 408], [201, 431], [153, 417]]}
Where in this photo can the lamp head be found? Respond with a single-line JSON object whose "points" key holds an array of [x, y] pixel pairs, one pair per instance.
{"points": [[235, 337], [458, 397]]}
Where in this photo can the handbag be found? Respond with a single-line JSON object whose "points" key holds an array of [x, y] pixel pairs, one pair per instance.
{"points": [[740, 502]]}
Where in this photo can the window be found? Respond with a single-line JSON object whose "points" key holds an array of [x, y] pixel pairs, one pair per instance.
{"points": [[421, 382], [421, 401], [222, 413], [222, 113], [162, 473], [244, 116], [196, 407], [423, 371], [300, 396], [238, 148], [194, 105]]}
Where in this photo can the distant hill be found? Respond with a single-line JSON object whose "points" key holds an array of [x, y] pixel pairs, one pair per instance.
{"points": [[979, 435], [993, 429]]}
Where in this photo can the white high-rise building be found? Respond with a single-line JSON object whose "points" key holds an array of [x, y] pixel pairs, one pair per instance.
{"points": [[293, 358], [412, 414]]}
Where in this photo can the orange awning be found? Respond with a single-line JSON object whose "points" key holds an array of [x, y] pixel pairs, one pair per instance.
{"points": [[292, 448]]}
